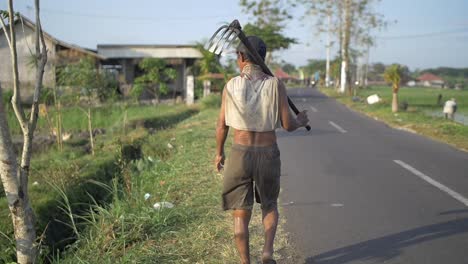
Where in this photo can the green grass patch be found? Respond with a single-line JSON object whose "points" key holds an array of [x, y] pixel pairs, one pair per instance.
{"points": [[175, 165], [421, 101], [420, 97], [196, 230], [109, 116], [73, 173]]}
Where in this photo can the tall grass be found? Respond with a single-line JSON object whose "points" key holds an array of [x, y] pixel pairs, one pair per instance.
{"points": [[74, 170], [196, 230], [107, 116], [175, 166]]}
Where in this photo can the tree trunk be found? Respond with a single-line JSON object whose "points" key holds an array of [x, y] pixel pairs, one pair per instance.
{"points": [[395, 102], [344, 71], [345, 46], [14, 177], [17, 195], [58, 121], [90, 128]]}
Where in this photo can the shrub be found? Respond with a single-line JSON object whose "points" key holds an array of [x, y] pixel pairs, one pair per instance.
{"points": [[6, 98], [211, 101]]}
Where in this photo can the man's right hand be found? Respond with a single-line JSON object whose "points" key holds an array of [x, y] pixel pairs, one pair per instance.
{"points": [[219, 162], [302, 118]]}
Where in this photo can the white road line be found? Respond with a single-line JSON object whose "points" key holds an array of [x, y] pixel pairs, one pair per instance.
{"points": [[435, 183], [337, 127], [314, 109]]}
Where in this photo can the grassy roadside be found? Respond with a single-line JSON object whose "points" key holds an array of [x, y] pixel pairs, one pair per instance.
{"points": [[196, 230], [109, 116], [416, 118], [74, 172], [176, 166]]}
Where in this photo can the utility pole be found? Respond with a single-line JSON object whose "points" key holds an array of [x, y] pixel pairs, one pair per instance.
{"points": [[367, 66], [327, 76]]}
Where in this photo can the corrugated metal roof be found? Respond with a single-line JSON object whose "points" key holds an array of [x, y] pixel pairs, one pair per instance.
{"points": [[153, 51], [56, 41]]}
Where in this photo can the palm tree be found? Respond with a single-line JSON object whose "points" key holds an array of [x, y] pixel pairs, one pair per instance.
{"points": [[393, 75], [209, 63]]}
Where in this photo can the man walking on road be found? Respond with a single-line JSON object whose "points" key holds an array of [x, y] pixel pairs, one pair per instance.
{"points": [[254, 104]]}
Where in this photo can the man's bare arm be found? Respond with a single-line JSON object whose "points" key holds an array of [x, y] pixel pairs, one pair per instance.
{"points": [[288, 120], [221, 135]]}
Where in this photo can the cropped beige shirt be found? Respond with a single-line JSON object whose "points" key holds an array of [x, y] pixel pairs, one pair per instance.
{"points": [[252, 101]]}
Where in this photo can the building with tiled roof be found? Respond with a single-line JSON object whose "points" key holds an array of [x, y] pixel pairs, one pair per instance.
{"points": [[431, 80]]}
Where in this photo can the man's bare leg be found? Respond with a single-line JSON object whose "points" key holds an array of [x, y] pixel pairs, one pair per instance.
{"points": [[270, 223], [241, 233]]}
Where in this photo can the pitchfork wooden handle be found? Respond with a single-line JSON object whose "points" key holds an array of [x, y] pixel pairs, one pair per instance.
{"points": [[296, 111]]}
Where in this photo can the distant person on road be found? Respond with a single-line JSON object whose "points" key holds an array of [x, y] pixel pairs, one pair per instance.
{"points": [[254, 104], [450, 108]]}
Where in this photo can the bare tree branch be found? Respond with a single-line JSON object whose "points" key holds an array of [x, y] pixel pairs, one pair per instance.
{"points": [[41, 58], [16, 100], [5, 31]]}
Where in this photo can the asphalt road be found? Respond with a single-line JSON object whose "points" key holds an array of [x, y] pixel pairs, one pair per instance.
{"points": [[357, 191]]}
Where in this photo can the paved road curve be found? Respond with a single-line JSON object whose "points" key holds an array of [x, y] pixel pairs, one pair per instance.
{"points": [[357, 191]]}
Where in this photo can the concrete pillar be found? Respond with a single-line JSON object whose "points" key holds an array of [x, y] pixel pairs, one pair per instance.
{"points": [[190, 90], [184, 79], [206, 88]]}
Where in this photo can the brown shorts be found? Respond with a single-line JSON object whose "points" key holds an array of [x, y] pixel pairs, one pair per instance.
{"points": [[249, 171]]}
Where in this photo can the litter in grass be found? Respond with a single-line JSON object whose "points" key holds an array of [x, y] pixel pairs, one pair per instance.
{"points": [[160, 205], [147, 196], [35, 183], [373, 99], [169, 145]]}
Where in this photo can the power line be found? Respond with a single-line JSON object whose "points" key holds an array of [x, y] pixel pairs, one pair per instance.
{"points": [[426, 35], [116, 17]]}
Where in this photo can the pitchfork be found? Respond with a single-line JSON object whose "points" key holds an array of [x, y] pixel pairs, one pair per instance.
{"points": [[223, 38]]}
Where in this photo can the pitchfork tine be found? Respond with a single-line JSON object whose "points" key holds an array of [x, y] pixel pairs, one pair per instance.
{"points": [[232, 40], [210, 42], [228, 41], [220, 40]]}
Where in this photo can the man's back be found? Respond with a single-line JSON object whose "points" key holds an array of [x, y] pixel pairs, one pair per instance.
{"points": [[252, 101], [252, 107]]}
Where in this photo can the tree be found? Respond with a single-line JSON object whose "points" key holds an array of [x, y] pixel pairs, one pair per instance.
{"points": [[156, 77], [93, 82], [269, 19], [350, 22], [288, 68], [86, 76], [313, 66], [15, 176], [209, 63], [393, 75]]}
